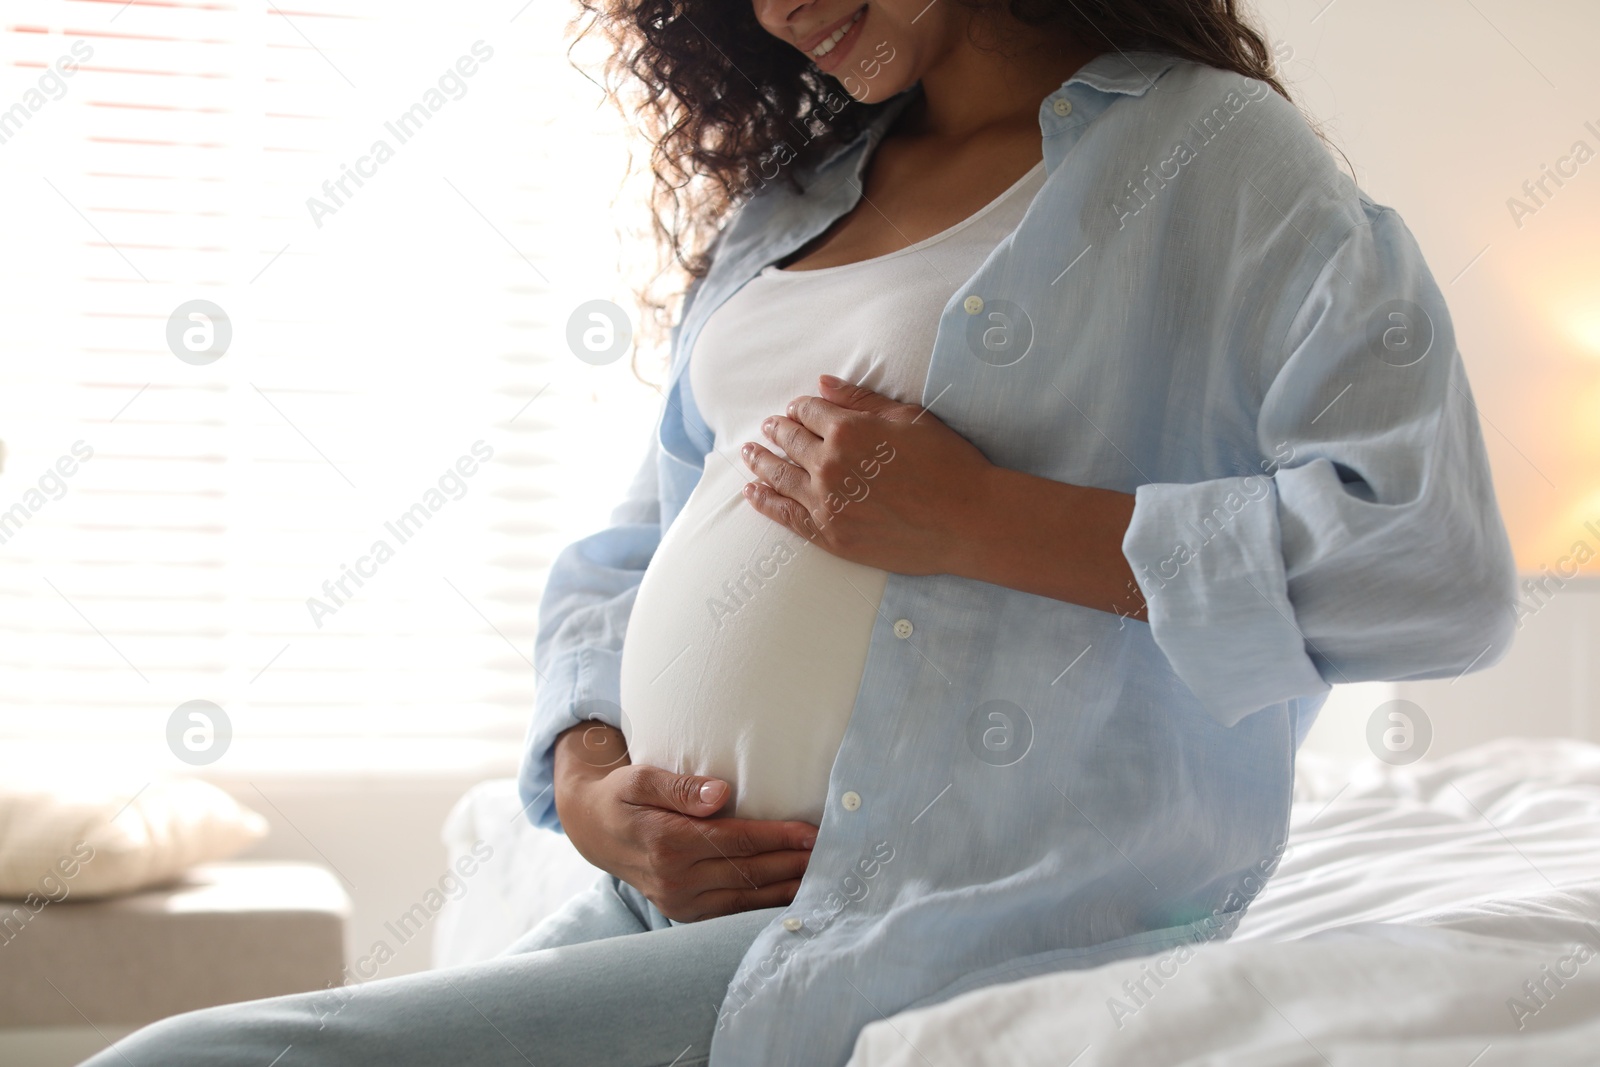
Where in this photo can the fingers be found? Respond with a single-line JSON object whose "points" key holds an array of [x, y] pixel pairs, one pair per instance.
{"points": [[816, 414], [719, 902], [780, 509], [797, 442], [785, 477], [737, 853], [693, 868], [779, 499], [750, 837], [750, 872], [686, 794], [855, 397]]}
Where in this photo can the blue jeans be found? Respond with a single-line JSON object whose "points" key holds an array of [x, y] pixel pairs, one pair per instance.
{"points": [[572, 993]]}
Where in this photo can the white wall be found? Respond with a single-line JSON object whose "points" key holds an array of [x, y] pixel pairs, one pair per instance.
{"points": [[1546, 686], [1446, 108]]}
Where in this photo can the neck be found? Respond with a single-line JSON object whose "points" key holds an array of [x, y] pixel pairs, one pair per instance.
{"points": [[998, 82]]}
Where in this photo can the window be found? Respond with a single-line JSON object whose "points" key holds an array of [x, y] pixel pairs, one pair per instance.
{"points": [[382, 216]]}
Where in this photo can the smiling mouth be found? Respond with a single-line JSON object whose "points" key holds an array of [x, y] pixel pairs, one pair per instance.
{"points": [[831, 42]]}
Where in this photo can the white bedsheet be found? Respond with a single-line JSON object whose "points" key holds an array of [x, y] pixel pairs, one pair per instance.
{"points": [[1362, 996], [528, 876], [1410, 908]]}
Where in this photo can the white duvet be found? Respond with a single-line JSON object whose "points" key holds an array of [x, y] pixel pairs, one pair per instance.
{"points": [[1443, 914]]}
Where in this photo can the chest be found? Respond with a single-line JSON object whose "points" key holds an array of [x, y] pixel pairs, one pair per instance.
{"points": [[917, 187], [1075, 350], [873, 321]]}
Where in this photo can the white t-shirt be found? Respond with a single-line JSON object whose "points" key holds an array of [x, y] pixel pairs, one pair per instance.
{"points": [[746, 643]]}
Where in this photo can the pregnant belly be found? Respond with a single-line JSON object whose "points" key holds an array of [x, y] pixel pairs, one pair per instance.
{"points": [[744, 652]]}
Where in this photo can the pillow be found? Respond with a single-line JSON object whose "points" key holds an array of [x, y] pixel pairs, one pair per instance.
{"points": [[85, 839]]}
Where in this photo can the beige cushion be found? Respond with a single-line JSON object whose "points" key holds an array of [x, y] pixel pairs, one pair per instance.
{"points": [[86, 839], [225, 932]]}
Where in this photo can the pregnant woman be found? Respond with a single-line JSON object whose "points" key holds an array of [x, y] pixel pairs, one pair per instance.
{"points": [[1050, 423]]}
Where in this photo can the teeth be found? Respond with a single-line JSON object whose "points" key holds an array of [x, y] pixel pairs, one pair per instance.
{"points": [[838, 35]]}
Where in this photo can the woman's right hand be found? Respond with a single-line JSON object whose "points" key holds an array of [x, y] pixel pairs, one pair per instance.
{"points": [[652, 829]]}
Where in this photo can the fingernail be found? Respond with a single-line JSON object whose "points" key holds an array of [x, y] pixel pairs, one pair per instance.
{"points": [[710, 792], [832, 382], [808, 842], [767, 426], [747, 451]]}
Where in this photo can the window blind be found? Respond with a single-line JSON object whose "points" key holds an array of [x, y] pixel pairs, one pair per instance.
{"points": [[339, 526]]}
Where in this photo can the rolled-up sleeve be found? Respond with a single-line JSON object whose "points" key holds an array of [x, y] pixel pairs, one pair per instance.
{"points": [[1369, 545]]}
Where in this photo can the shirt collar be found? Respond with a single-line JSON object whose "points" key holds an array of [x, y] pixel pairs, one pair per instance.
{"points": [[1129, 73], [1126, 73]]}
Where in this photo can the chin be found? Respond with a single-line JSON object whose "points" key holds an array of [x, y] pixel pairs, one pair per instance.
{"points": [[874, 91]]}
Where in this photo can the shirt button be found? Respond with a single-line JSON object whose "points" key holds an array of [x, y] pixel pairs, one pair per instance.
{"points": [[1062, 106], [902, 628], [792, 925], [973, 304], [851, 800]]}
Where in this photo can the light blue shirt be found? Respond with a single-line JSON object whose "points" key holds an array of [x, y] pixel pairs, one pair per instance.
{"points": [[1198, 308]]}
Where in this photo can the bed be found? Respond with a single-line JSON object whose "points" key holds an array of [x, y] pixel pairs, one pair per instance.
{"points": [[1442, 913]]}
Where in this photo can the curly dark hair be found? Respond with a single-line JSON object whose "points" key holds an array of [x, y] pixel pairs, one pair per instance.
{"points": [[721, 100]]}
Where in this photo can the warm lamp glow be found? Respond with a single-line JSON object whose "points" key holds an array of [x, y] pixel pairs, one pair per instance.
{"points": [[1558, 546], [1571, 303], [1584, 328]]}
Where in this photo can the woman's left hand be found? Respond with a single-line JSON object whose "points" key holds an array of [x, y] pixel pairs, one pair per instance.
{"points": [[869, 479]]}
